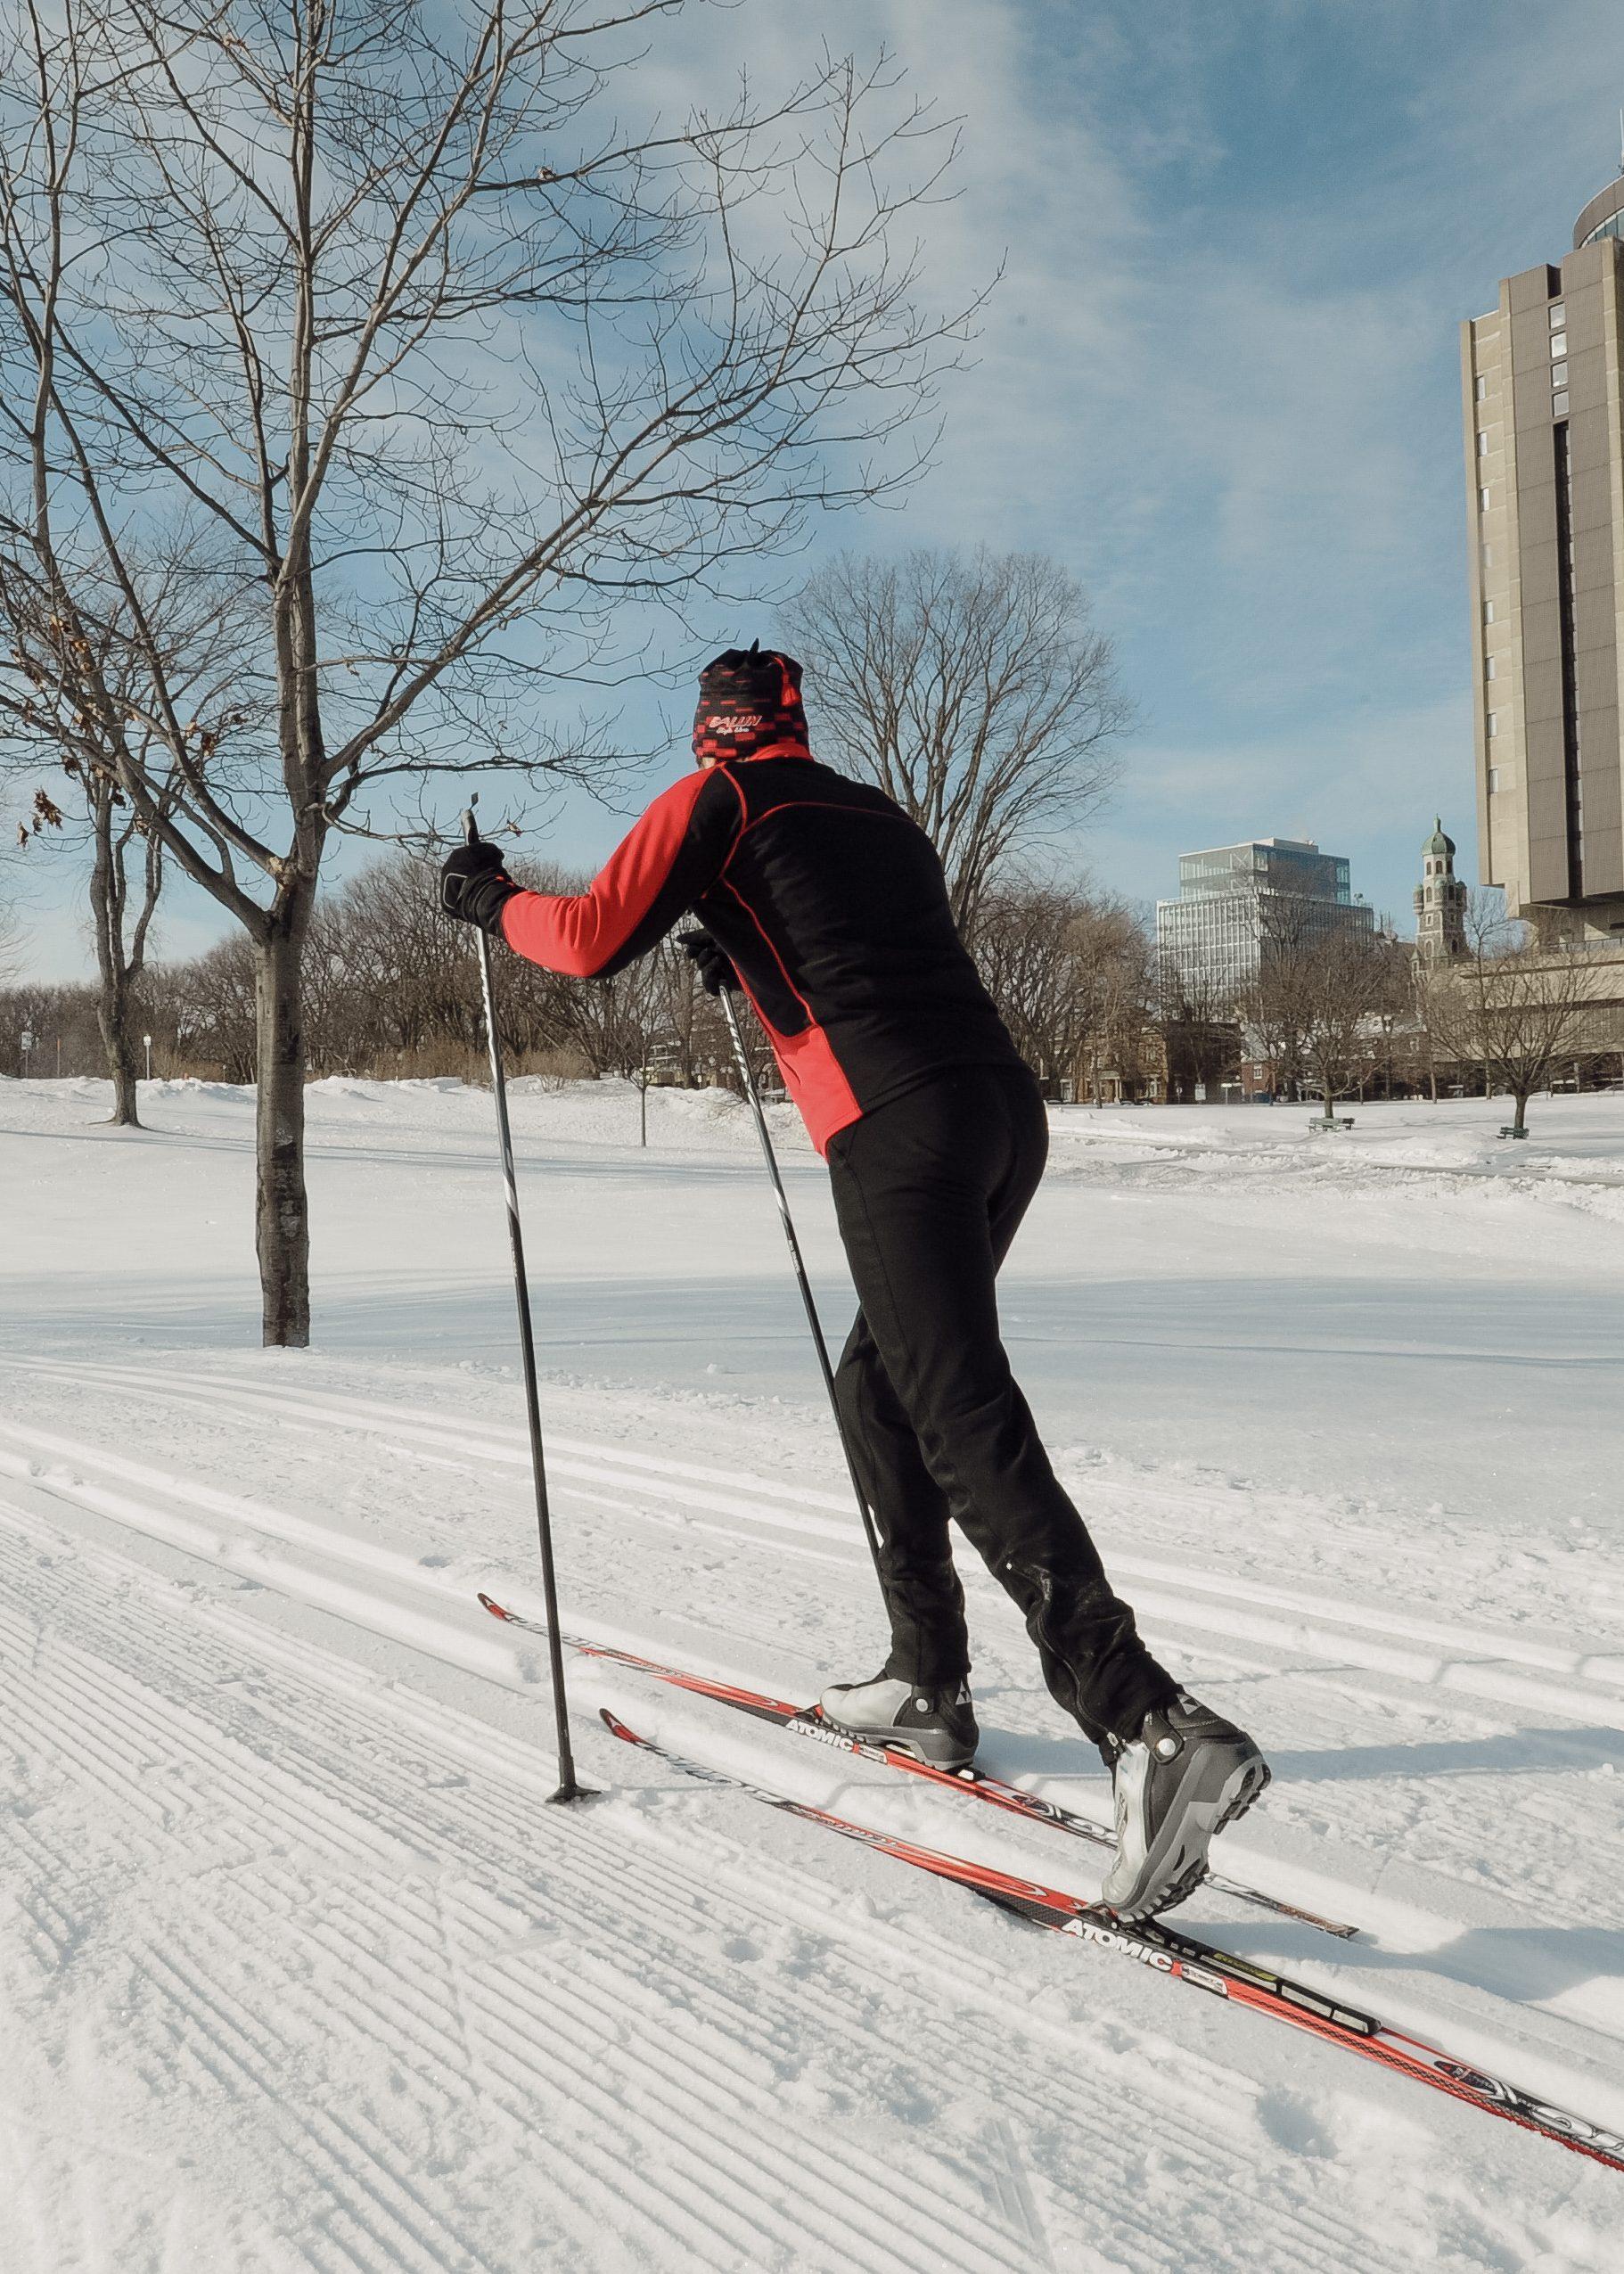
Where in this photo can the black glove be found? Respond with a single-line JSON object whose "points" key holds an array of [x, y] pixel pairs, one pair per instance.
{"points": [[714, 968], [476, 887]]}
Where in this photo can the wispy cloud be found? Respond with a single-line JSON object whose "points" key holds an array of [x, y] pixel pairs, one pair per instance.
{"points": [[1220, 377]]}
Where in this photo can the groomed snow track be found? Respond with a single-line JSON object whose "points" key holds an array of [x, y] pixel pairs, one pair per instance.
{"points": [[288, 1921], [461, 1978]]}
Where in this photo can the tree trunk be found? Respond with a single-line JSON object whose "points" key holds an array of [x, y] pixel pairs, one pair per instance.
{"points": [[1519, 1118], [113, 1018], [112, 997], [282, 1211]]}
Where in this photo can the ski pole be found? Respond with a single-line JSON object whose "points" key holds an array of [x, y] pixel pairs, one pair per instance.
{"points": [[746, 1075], [568, 1788]]}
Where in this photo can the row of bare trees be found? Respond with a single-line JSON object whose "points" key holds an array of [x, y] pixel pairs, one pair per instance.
{"points": [[391, 988], [1331, 1009]]}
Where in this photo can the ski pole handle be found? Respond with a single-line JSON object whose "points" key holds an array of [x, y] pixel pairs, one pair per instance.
{"points": [[471, 827]]}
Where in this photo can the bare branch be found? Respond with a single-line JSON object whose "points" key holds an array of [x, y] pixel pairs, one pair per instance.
{"points": [[973, 689]]}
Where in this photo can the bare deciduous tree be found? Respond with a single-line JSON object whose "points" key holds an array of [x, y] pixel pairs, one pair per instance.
{"points": [[694, 1035], [1343, 977], [974, 688], [1312, 1010], [1399, 1043], [1119, 950], [1021, 954], [1200, 1030], [448, 360], [1064, 969], [389, 977], [203, 1013], [1514, 1006], [617, 1022], [1275, 1006], [55, 702]]}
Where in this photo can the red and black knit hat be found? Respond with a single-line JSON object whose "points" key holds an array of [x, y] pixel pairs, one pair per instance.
{"points": [[748, 701]]}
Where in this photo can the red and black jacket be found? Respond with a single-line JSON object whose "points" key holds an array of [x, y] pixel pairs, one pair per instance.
{"points": [[831, 904]]}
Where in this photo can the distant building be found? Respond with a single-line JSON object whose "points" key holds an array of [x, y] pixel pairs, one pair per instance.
{"points": [[1440, 901], [1235, 901], [1543, 384]]}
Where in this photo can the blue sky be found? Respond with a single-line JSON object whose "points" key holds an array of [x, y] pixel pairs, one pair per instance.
{"points": [[1220, 380]]}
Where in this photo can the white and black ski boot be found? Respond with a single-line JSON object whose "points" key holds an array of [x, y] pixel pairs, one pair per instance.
{"points": [[1188, 1774], [937, 1726]]}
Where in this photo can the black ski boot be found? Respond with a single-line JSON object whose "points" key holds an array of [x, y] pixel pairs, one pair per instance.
{"points": [[1188, 1774], [937, 1726]]}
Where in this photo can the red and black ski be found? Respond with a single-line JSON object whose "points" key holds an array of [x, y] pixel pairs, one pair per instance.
{"points": [[1183, 1958], [806, 1721]]}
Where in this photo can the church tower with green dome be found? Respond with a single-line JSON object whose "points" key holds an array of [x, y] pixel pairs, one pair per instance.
{"points": [[1440, 901]]}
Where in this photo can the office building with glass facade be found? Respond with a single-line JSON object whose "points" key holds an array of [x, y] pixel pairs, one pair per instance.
{"points": [[1235, 901], [1543, 414]]}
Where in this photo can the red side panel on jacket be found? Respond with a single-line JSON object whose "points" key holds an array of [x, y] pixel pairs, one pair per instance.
{"points": [[817, 1082]]}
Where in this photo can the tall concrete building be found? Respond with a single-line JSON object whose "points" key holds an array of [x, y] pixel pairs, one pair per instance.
{"points": [[1543, 402], [1235, 901]]}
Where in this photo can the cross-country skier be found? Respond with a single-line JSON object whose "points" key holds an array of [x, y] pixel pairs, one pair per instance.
{"points": [[828, 904]]}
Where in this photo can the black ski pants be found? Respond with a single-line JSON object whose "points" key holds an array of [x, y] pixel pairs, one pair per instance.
{"points": [[929, 1192]]}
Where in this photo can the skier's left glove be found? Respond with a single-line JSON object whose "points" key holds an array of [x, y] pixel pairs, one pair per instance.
{"points": [[715, 971], [474, 886]]}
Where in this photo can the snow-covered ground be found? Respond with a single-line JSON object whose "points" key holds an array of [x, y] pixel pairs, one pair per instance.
{"points": [[297, 1970]]}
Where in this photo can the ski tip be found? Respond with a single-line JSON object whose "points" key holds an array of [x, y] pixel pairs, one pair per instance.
{"points": [[615, 1725], [493, 1606]]}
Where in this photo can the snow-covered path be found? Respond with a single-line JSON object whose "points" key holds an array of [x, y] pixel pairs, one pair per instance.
{"points": [[299, 1970]]}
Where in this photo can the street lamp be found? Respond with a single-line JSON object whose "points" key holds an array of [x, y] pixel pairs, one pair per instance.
{"points": [[148, 1040]]}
